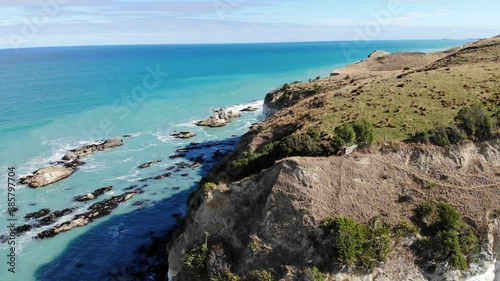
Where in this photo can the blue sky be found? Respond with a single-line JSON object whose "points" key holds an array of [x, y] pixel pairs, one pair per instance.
{"points": [[28, 23]]}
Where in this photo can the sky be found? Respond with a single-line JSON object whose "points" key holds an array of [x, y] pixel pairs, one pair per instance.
{"points": [[35, 23]]}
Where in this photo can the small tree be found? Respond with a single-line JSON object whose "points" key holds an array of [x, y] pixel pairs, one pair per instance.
{"points": [[364, 133], [475, 122], [439, 137], [346, 133]]}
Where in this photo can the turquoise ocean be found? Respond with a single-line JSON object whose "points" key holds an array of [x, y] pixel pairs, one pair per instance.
{"points": [[55, 99]]}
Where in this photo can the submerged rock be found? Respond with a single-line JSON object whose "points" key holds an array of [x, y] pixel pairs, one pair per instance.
{"points": [[149, 164], [249, 109], [46, 176], [183, 135], [37, 214], [86, 150], [54, 216], [220, 118], [93, 195], [95, 211]]}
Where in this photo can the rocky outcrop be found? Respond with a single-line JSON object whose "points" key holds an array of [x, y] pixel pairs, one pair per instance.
{"points": [[284, 97], [37, 214], [183, 135], [86, 150], [149, 164], [249, 109], [220, 118], [46, 176], [63, 169], [95, 211], [93, 195]]}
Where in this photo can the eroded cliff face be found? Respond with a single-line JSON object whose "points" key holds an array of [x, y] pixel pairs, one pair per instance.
{"points": [[270, 220]]}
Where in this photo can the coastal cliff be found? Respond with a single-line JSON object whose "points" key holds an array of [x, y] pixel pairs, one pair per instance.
{"points": [[265, 214]]}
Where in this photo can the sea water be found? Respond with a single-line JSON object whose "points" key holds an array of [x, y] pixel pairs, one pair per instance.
{"points": [[56, 99]]}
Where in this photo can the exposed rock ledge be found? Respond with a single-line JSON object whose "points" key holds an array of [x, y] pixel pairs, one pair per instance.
{"points": [[86, 150], [63, 169], [46, 176], [220, 118]]}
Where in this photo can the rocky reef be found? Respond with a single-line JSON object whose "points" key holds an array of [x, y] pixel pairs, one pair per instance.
{"points": [[65, 168], [86, 150], [220, 118], [46, 176]]}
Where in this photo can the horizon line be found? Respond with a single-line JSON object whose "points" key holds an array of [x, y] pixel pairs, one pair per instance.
{"points": [[233, 43]]}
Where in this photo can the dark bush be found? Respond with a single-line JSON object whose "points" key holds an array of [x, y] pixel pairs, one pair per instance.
{"points": [[421, 137], [364, 133], [449, 245], [455, 135], [195, 260], [439, 137], [314, 133], [475, 122], [346, 133], [357, 244], [448, 217], [300, 145], [450, 239]]}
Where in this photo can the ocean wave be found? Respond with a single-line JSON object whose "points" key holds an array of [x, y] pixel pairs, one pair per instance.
{"points": [[258, 104], [93, 166], [164, 136], [128, 177]]}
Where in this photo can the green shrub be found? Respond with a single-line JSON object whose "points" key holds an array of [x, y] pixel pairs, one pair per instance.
{"points": [[405, 229], [314, 133], [421, 137], [455, 135], [349, 236], [226, 276], [195, 260], [475, 122], [439, 137], [450, 249], [364, 133], [425, 209], [209, 186], [346, 133], [313, 274], [300, 145], [263, 275], [450, 239], [448, 217], [357, 244]]}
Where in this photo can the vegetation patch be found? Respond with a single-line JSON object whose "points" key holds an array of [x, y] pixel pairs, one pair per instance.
{"points": [[355, 244], [472, 122], [448, 238]]}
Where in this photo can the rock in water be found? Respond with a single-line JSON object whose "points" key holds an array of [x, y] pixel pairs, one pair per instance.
{"points": [[219, 118], [93, 195], [86, 150], [37, 214], [147, 165], [249, 109], [46, 176], [183, 135], [97, 210]]}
